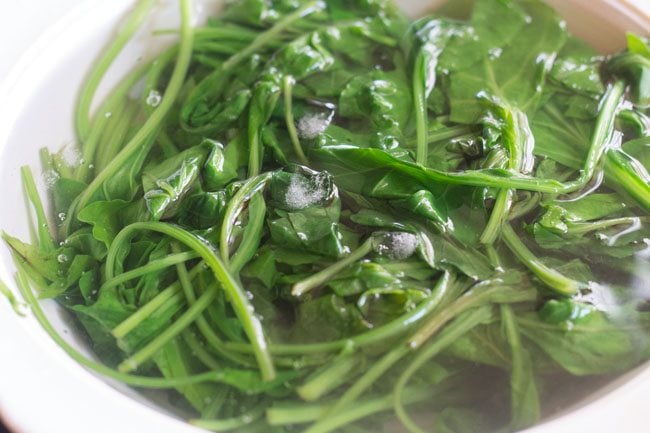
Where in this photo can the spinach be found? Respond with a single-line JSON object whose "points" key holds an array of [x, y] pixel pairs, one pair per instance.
{"points": [[318, 211]]}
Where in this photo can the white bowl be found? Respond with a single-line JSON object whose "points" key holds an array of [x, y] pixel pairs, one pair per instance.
{"points": [[44, 391]]}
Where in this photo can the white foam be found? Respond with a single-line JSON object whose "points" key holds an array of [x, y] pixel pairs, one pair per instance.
{"points": [[50, 177], [71, 155], [310, 125], [302, 194], [398, 245]]}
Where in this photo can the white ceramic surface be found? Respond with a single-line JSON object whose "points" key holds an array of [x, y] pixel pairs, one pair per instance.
{"points": [[41, 389]]}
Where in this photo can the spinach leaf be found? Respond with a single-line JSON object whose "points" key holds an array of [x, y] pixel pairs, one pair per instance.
{"points": [[590, 343], [538, 42]]}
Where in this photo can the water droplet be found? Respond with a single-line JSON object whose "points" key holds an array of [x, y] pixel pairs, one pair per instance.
{"points": [[62, 216], [249, 295], [21, 308], [62, 258], [154, 98]]}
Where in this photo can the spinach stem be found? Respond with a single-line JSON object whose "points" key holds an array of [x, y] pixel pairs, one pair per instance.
{"points": [[238, 299], [197, 348], [493, 291], [18, 307], [321, 277], [499, 213], [252, 234], [284, 414], [213, 340], [524, 398], [153, 266], [270, 35], [517, 137], [112, 134], [178, 326], [508, 179], [128, 379], [460, 326], [588, 227], [371, 376], [167, 295], [108, 113], [549, 276], [365, 409], [629, 175], [287, 84], [229, 424], [131, 25], [152, 125], [334, 375], [421, 115], [382, 333], [45, 239], [234, 208], [449, 133]]}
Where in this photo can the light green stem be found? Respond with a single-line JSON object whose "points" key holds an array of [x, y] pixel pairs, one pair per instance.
{"points": [[234, 208], [287, 84], [320, 278], [129, 379], [152, 125], [549, 276], [457, 329], [382, 333], [421, 115], [168, 296], [235, 293], [128, 29], [178, 326], [45, 239], [153, 266]]}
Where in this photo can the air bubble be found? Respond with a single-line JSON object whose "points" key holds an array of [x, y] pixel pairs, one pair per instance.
{"points": [[62, 216], [154, 98], [62, 258], [21, 309]]}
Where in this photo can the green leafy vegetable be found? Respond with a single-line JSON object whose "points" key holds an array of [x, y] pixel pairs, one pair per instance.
{"points": [[317, 216]]}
